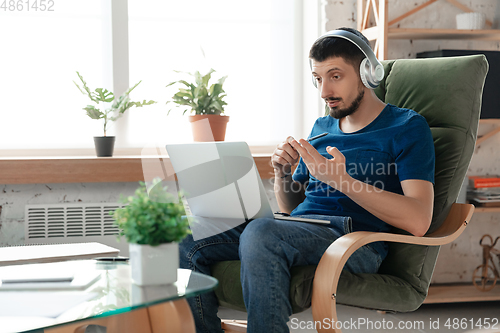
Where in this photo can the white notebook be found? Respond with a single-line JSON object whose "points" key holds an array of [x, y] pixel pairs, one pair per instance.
{"points": [[27, 254], [67, 275]]}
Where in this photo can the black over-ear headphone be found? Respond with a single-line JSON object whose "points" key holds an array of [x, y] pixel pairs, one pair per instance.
{"points": [[370, 70]]}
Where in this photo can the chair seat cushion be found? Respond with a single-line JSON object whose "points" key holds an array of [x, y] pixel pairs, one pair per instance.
{"points": [[230, 295], [390, 292]]}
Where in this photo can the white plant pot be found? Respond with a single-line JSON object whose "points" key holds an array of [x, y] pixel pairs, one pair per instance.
{"points": [[154, 265]]}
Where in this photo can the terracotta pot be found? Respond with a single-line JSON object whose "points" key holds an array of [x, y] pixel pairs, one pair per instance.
{"points": [[208, 127]]}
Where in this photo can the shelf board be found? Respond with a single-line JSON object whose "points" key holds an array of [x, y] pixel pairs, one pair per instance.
{"points": [[460, 293], [490, 121], [487, 210], [486, 136], [401, 33]]}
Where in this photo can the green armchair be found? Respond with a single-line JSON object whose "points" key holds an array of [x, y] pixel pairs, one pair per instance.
{"points": [[447, 92]]}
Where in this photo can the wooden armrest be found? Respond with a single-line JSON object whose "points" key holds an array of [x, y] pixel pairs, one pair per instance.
{"points": [[332, 263]]}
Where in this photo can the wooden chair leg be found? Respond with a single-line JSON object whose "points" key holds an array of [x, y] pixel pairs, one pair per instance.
{"points": [[87, 328], [173, 316], [234, 326], [136, 321]]}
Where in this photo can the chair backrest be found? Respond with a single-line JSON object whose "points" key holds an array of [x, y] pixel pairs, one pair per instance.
{"points": [[448, 93]]}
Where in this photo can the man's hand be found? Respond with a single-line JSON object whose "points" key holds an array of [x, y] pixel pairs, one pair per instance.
{"points": [[289, 194], [284, 157], [330, 171]]}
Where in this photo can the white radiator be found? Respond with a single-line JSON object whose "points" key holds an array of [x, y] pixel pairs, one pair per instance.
{"points": [[73, 223]]}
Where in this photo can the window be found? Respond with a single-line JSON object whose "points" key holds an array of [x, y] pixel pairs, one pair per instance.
{"points": [[252, 42], [256, 43], [41, 50]]}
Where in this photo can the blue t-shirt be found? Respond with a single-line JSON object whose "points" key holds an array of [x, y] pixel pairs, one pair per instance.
{"points": [[396, 146]]}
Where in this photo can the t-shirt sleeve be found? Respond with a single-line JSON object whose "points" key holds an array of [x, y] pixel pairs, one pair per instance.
{"points": [[415, 157]]}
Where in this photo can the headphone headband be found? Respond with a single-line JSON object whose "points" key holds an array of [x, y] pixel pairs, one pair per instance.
{"points": [[371, 70]]}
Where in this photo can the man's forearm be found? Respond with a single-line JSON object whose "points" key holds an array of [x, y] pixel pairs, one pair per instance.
{"points": [[398, 210], [289, 194]]}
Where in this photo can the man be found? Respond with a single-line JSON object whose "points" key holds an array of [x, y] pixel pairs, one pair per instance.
{"points": [[373, 170]]}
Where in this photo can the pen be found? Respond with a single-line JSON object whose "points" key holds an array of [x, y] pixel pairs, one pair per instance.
{"points": [[317, 136]]}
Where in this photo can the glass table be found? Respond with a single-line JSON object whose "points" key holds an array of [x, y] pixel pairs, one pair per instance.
{"points": [[108, 298]]}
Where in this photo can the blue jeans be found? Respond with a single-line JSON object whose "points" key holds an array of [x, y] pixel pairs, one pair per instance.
{"points": [[267, 249]]}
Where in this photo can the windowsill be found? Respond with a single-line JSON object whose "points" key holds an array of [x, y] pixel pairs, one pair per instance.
{"points": [[90, 152], [82, 166]]}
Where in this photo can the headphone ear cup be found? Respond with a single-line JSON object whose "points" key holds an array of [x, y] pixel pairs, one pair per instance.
{"points": [[364, 73]]}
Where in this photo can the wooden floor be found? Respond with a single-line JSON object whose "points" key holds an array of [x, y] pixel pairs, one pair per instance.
{"points": [[460, 293]]}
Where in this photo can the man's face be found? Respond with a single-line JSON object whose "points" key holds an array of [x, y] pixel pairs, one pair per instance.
{"points": [[339, 85]]}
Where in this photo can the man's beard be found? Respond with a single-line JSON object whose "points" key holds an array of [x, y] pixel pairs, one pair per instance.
{"points": [[338, 113]]}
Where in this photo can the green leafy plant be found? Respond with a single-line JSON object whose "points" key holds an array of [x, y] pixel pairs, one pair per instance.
{"points": [[198, 97], [152, 217], [118, 107]]}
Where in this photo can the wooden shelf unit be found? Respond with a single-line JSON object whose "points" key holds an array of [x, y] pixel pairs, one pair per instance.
{"points": [[455, 293], [479, 141], [400, 33], [491, 133], [487, 210], [381, 32]]}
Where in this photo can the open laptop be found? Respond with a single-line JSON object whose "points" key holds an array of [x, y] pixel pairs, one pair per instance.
{"points": [[221, 181]]}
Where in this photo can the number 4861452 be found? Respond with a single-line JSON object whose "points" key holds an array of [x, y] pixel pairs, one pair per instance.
{"points": [[464, 323], [27, 5]]}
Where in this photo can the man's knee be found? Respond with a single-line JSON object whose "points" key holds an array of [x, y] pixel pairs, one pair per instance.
{"points": [[258, 236]]}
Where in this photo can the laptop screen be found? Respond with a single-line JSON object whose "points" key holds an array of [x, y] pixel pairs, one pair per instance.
{"points": [[220, 181]]}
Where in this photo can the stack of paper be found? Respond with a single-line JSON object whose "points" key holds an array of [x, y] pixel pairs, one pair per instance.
{"points": [[14, 255]]}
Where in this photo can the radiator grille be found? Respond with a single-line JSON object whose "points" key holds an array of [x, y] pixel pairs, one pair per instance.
{"points": [[70, 220]]}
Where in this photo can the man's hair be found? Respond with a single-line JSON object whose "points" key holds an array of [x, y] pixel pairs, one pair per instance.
{"points": [[328, 47]]}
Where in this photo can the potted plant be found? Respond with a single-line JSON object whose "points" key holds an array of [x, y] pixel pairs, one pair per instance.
{"points": [[104, 144], [153, 223], [206, 103]]}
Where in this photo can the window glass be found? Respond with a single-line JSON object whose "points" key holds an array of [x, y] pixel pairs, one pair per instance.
{"points": [[252, 42], [40, 52]]}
